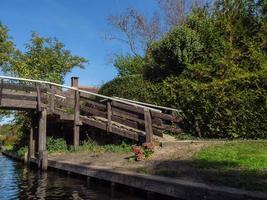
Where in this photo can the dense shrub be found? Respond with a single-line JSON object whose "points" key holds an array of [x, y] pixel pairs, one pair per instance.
{"points": [[213, 67], [236, 108], [131, 87], [56, 145]]}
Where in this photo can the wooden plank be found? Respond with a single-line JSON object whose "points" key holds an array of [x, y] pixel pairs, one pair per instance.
{"points": [[21, 87], [127, 115], [91, 102], [109, 115], [164, 116], [1, 90], [39, 108], [128, 107], [76, 129], [93, 111], [115, 130], [148, 125], [42, 140], [52, 98], [19, 96], [18, 104]]}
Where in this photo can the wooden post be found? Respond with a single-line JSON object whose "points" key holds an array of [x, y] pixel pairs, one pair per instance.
{"points": [[109, 115], [76, 125], [42, 140], [148, 125], [52, 98], [39, 103], [1, 90], [30, 149]]}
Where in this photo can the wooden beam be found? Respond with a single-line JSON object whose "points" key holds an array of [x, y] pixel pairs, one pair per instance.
{"points": [[148, 125], [76, 128], [109, 115], [52, 98], [1, 90], [31, 148], [39, 108], [42, 140]]}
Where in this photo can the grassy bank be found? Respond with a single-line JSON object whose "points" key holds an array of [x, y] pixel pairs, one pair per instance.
{"points": [[240, 164]]}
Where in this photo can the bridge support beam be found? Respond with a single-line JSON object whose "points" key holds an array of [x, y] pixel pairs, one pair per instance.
{"points": [[148, 125], [76, 122], [31, 143], [42, 159]]}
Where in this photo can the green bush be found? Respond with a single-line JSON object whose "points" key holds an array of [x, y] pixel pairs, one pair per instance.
{"points": [[56, 145], [22, 151], [234, 108]]}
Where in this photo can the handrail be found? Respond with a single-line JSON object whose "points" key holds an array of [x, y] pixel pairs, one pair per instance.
{"points": [[83, 91], [148, 104]]}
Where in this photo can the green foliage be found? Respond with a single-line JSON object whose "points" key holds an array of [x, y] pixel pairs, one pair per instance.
{"points": [[129, 65], [172, 53], [91, 146], [22, 151], [132, 87], [242, 155], [6, 46], [44, 59], [54, 145], [213, 67]]}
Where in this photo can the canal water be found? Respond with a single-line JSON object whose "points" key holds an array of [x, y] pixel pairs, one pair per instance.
{"points": [[19, 182]]}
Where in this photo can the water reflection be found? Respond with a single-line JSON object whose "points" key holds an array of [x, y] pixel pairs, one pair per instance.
{"points": [[17, 182]]}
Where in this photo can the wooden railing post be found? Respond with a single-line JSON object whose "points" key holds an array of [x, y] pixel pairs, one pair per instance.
{"points": [[31, 148], [42, 140], [39, 103], [76, 125], [109, 116], [148, 125], [52, 98], [1, 90]]}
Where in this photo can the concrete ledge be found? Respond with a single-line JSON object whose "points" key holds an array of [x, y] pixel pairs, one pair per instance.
{"points": [[162, 185], [166, 186]]}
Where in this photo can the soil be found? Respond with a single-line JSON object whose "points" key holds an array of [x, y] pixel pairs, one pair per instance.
{"points": [[175, 159]]}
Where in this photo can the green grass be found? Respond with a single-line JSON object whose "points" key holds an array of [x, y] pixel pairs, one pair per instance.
{"points": [[59, 146], [241, 155], [91, 146]]}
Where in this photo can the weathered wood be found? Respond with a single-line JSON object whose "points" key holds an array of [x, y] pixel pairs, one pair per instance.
{"points": [[76, 129], [93, 111], [128, 115], [42, 140], [86, 100], [21, 87], [30, 148], [109, 115], [25, 96], [17, 104], [39, 108], [52, 98], [1, 90], [128, 107], [115, 130], [148, 125], [166, 117]]}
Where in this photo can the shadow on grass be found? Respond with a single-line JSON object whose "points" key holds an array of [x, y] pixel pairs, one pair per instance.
{"points": [[216, 173]]}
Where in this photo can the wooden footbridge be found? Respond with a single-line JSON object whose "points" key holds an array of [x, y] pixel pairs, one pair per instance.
{"points": [[130, 119]]}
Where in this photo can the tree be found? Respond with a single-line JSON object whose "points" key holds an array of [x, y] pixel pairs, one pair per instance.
{"points": [[129, 65], [45, 59], [137, 31], [6, 46]]}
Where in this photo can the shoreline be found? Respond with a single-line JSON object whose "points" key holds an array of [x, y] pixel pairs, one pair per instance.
{"points": [[157, 184]]}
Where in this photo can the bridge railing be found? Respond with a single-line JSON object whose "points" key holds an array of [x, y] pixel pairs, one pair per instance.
{"points": [[73, 102]]}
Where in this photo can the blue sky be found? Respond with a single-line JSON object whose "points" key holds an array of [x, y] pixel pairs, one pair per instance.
{"points": [[80, 24]]}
